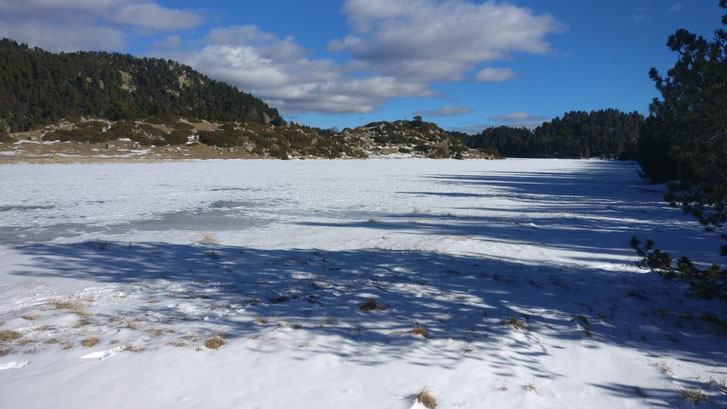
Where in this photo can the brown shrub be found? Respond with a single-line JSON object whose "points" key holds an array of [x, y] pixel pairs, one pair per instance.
{"points": [[9, 335], [89, 342]]}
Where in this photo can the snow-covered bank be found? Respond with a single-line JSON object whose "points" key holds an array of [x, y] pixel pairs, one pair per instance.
{"points": [[519, 272]]}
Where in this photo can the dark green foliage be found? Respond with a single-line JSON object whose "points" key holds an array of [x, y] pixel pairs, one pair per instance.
{"points": [[87, 135], [162, 119], [606, 133], [707, 283], [122, 129], [4, 137], [150, 130], [684, 141], [280, 153], [685, 138], [121, 110], [221, 138], [178, 137], [39, 87], [437, 152], [95, 125], [280, 141]]}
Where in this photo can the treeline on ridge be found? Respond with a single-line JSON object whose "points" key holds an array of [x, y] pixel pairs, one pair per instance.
{"points": [[38, 87], [578, 134]]}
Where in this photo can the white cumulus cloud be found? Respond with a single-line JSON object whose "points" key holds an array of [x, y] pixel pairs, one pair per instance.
{"points": [[282, 73], [439, 41], [517, 118], [490, 74], [397, 48], [70, 25]]}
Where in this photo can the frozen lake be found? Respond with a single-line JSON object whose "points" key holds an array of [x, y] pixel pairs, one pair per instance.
{"points": [[519, 270], [572, 206]]}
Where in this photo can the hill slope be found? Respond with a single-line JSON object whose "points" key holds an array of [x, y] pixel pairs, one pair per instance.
{"points": [[40, 87], [92, 139]]}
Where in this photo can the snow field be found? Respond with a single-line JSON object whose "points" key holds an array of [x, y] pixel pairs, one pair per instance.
{"points": [[495, 284]]}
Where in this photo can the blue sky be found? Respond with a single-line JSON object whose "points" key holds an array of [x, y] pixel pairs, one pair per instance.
{"points": [[464, 64]]}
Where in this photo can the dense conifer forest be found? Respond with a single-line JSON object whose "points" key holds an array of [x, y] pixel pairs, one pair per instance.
{"points": [[578, 134], [39, 87]]}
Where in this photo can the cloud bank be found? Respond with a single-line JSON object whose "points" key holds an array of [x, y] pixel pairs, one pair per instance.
{"points": [[394, 48], [445, 111], [72, 25], [397, 48], [517, 118]]}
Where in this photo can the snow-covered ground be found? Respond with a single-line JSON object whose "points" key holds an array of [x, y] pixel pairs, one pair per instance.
{"points": [[518, 271]]}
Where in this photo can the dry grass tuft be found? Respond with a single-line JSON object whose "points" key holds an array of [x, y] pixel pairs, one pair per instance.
{"points": [[329, 321], [177, 344], [514, 322], [695, 396], [75, 308], [157, 332], [129, 323], [291, 325], [4, 352], [426, 399], [208, 238], [31, 317], [530, 387], [722, 386], [89, 342], [584, 323], [66, 345], [216, 341], [371, 305], [44, 328], [26, 341], [9, 335], [82, 323], [419, 330], [262, 320], [131, 348], [665, 368], [52, 341]]}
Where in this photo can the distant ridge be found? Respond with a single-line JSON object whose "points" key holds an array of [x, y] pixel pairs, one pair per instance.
{"points": [[39, 87]]}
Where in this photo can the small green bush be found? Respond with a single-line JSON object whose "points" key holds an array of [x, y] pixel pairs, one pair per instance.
{"points": [[88, 135], [224, 139], [177, 137]]}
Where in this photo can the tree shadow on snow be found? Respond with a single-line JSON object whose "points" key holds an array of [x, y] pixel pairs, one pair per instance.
{"points": [[468, 301], [503, 311]]}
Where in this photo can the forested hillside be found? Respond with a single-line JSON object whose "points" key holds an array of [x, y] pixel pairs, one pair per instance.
{"points": [[577, 134], [39, 87]]}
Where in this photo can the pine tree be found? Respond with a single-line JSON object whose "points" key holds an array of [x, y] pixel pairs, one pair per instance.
{"points": [[684, 141]]}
